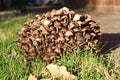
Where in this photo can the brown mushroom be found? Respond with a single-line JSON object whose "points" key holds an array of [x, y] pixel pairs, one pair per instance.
{"points": [[46, 58], [87, 36], [76, 17], [71, 25], [44, 31], [49, 49], [68, 33], [51, 33], [53, 12], [60, 39], [58, 50], [65, 10], [76, 30], [46, 22]]}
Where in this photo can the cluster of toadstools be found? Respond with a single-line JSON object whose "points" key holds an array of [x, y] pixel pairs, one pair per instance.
{"points": [[51, 34]]}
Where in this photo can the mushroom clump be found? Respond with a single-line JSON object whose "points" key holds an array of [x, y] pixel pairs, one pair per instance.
{"points": [[50, 34]]}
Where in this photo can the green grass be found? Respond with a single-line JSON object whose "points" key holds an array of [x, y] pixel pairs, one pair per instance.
{"points": [[83, 64]]}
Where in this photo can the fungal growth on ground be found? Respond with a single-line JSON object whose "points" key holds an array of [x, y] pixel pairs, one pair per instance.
{"points": [[50, 34]]}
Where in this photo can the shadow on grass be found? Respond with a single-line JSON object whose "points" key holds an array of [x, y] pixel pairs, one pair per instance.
{"points": [[111, 41]]}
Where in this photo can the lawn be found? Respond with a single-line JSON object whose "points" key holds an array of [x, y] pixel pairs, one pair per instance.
{"points": [[83, 64]]}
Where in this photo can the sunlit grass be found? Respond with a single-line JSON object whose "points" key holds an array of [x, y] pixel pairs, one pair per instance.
{"points": [[11, 26]]}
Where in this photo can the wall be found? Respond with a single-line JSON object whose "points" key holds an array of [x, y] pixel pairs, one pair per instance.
{"points": [[98, 2], [109, 5]]}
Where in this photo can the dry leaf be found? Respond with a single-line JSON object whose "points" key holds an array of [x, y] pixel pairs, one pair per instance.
{"points": [[60, 72], [53, 69], [32, 77]]}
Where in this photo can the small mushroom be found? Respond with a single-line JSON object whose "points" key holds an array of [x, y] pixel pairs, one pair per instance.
{"points": [[86, 28], [53, 12], [51, 28], [68, 33], [64, 17], [19, 33], [60, 34], [33, 54], [79, 42], [99, 33], [60, 39], [23, 29], [92, 24], [47, 14], [54, 18], [88, 17], [65, 10], [72, 12], [93, 34], [95, 41], [76, 17], [37, 16], [44, 31], [71, 25], [87, 36], [51, 36], [76, 30], [46, 22], [35, 32], [49, 49], [71, 40], [79, 22], [58, 12], [67, 38], [57, 24], [86, 47], [58, 50], [71, 15], [96, 31], [46, 58], [63, 30], [53, 53], [64, 20]]}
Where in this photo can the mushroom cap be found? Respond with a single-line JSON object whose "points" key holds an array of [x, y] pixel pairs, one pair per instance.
{"points": [[53, 12], [46, 58], [76, 30], [71, 25], [58, 50], [60, 39], [44, 31], [76, 17], [68, 33], [58, 12], [49, 49], [65, 10], [46, 22]]}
